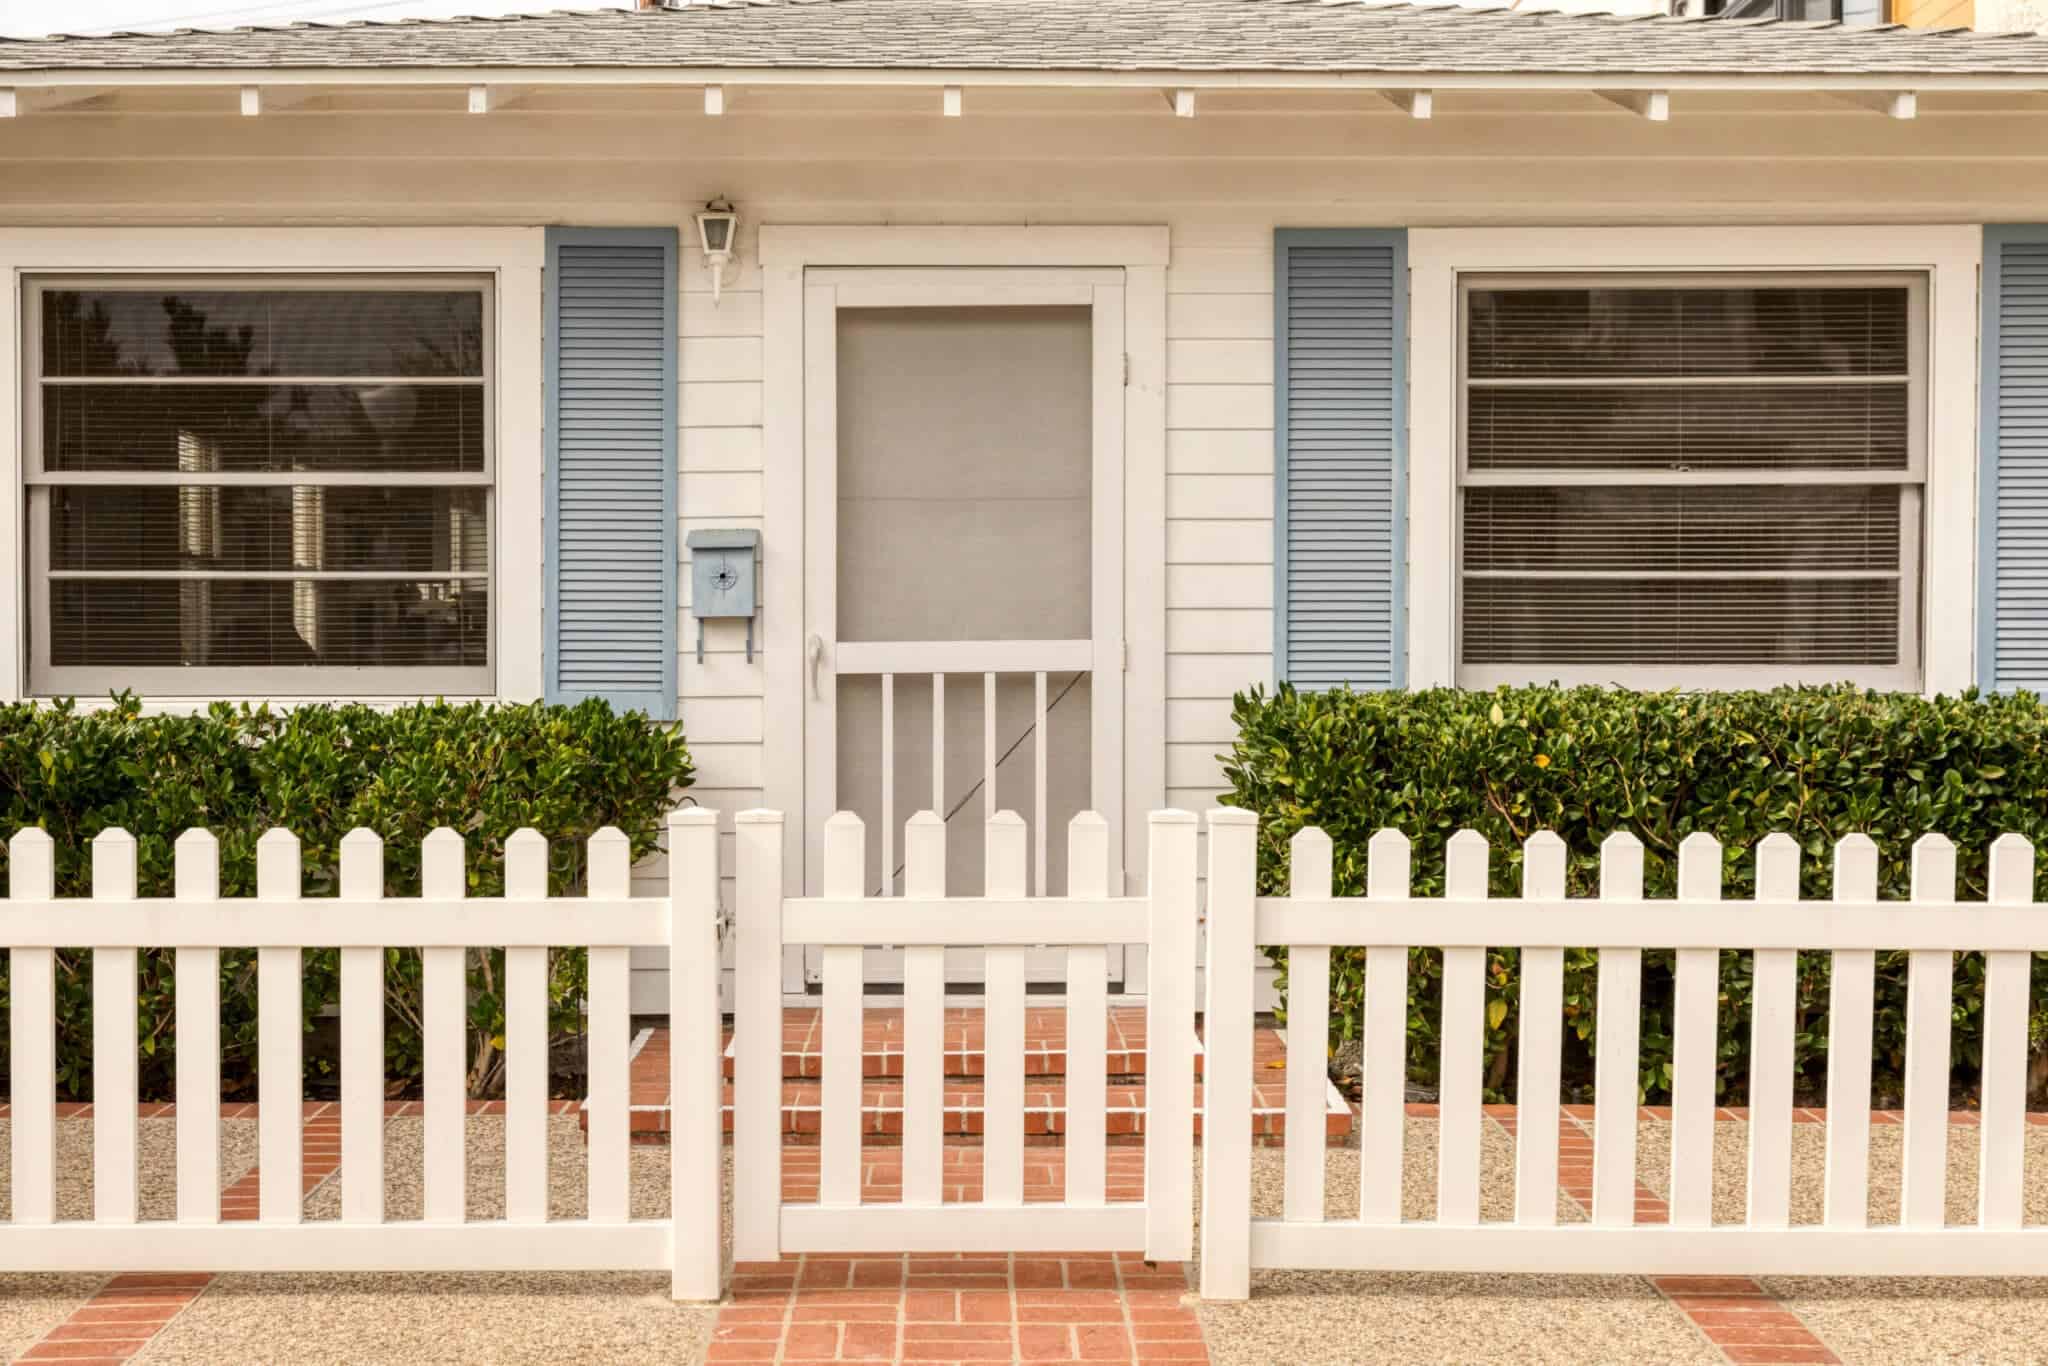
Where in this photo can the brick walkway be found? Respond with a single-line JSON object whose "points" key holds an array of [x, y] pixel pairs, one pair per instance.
{"points": [[1093, 1308]]}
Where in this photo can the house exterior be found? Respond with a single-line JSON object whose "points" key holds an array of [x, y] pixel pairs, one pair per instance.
{"points": [[1076, 367]]}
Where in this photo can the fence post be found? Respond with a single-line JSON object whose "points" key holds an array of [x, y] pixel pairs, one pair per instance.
{"points": [[696, 1056], [32, 1035], [1695, 1012], [757, 1040], [362, 1042], [1618, 1022], [198, 1022], [526, 1041], [116, 1168], [1383, 1116], [2002, 1117], [608, 1038], [1169, 1040], [1227, 1079], [1930, 1000], [445, 1049], [280, 1049]]}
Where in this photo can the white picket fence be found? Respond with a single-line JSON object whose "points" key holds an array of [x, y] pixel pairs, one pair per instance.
{"points": [[1388, 920], [197, 922], [1004, 924]]}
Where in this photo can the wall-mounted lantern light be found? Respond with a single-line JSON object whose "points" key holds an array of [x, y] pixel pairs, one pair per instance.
{"points": [[717, 228]]}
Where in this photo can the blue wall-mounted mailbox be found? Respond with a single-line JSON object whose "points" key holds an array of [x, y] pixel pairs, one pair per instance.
{"points": [[722, 580]]}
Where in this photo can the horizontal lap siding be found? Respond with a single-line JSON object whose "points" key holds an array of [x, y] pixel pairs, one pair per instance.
{"points": [[2016, 439], [1219, 492]]}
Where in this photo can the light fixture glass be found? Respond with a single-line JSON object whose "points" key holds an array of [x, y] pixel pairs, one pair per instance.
{"points": [[717, 226]]}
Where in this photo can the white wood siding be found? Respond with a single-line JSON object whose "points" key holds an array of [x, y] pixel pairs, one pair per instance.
{"points": [[1220, 183]]}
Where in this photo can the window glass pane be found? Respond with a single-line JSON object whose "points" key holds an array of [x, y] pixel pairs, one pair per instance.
{"points": [[268, 623], [1654, 332], [1612, 530], [1718, 427], [213, 428], [1828, 623], [414, 529], [386, 333]]}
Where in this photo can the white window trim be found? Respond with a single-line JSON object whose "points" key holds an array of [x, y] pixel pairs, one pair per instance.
{"points": [[1948, 256], [512, 257]]}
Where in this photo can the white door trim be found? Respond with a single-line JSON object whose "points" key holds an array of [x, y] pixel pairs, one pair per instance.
{"points": [[786, 253]]}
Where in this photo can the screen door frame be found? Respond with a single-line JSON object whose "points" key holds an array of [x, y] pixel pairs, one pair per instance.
{"points": [[826, 292]]}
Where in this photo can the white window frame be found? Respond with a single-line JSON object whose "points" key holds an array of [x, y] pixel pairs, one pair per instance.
{"points": [[510, 260], [1947, 257], [1911, 482]]}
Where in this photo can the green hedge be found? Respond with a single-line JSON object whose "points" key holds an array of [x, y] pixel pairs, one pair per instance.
{"points": [[321, 771], [1817, 763]]}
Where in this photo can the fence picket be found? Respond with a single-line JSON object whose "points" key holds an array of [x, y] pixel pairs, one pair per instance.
{"points": [[1227, 1075], [1775, 987], [839, 1090], [280, 1060], [197, 1005], [32, 1039], [1169, 1035], [362, 1042], [1618, 1022], [1087, 1044], [1462, 1063], [2002, 1123], [888, 829], [924, 1020], [1930, 997], [116, 1136], [1002, 1152], [526, 1042], [1695, 1021], [1540, 1059], [1383, 1114], [757, 1039], [1309, 858], [696, 1064], [443, 1052], [608, 1038], [1851, 995]]}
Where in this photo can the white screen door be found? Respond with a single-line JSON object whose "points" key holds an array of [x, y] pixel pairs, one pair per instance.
{"points": [[963, 475]]}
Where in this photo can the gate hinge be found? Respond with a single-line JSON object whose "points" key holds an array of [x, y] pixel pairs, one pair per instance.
{"points": [[1125, 646], [1127, 369]]}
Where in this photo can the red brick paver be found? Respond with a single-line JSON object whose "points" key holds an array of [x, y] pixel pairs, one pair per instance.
{"points": [[1742, 1320], [1075, 1307], [120, 1319]]}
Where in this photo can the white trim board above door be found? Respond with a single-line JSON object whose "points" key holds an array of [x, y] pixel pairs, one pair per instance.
{"points": [[967, 267]]}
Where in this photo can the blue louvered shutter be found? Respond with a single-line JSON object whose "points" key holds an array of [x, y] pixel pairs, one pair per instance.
{"points": [[1340, 442], [611, 464], [2013, 614]]}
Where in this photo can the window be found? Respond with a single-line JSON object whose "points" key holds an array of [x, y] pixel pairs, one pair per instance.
{"points": [[260, 487], [1673, 482]]}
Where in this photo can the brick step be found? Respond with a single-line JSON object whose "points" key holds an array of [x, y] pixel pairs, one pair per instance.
{"points": [[1045, 1100], [1045, 1042]]}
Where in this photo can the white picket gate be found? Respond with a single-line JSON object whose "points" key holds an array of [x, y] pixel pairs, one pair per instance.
{"points": [[197, 922], [925, 922], [1388, 920]]}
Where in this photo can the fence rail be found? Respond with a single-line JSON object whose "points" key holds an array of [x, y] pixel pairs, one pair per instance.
{"points": [[1388, 920]]}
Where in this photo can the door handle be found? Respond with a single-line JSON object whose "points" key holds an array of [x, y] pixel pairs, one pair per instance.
{"points": [[815, 648]]}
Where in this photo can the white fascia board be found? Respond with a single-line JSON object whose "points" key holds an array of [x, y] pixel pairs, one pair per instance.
{"points": [[270, 78]]}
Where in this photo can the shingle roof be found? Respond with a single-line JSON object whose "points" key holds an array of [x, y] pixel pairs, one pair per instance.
{"points": [[1274, 36]]}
